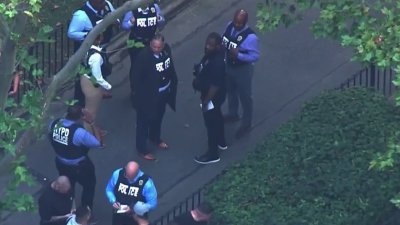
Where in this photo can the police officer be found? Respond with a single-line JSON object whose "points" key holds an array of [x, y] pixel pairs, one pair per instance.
{"points": [[56, 202], [242, 52], [210, 81], [71, 143], [132, 195], [85, 18], [155, 84], [143, 24], [83, 21], [93, 82]]}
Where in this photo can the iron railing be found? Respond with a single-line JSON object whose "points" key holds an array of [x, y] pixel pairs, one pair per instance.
{"points": [[51, 56], [187, 205], [372, 77]]}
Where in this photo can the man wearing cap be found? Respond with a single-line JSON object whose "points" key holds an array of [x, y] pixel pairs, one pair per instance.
{"points": [[132, 195]]}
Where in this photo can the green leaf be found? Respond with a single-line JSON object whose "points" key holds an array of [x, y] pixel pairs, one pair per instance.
{"points": [[132, 43]]}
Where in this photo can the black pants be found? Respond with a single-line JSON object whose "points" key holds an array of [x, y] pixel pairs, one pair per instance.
{"points": [[84, 174], [149, 126], [133, 53], [214, 122]]}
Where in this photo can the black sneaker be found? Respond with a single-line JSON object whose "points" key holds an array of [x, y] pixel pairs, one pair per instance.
{"points": [[206, 159]]}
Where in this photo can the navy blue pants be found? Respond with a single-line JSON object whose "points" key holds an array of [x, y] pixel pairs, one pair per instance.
{"points": [[149, 126], [84, 174]]}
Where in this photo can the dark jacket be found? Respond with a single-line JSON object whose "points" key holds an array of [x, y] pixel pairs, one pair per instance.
{"points": [[212, 73], [146, 81]]}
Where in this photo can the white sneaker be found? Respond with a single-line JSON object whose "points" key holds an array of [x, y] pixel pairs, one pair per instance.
{"points": [[225, 147]]}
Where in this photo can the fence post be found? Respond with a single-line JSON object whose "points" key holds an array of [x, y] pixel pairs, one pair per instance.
{"points": [[372, 77]]}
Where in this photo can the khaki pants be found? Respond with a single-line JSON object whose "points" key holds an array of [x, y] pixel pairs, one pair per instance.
{"points": [[93, 97]]}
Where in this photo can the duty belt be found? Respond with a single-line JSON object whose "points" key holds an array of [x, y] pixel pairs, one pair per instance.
{"points": [[71, 162]]}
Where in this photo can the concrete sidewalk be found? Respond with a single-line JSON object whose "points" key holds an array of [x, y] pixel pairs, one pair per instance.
{"points": [[293, 68]]}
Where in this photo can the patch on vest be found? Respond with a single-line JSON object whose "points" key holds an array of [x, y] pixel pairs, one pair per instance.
{"points": [[132, 191], [60, 135], [229, 44], [146, 22], [161, 66], [153, 10], [239, 38]]}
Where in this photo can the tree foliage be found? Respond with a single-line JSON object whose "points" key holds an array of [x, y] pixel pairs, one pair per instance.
{"points": [[22, 24], [370, 28]]}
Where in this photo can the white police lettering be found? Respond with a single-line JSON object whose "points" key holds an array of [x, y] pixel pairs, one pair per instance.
{"points": [[160, 67], [141, 22], [228, 44], [133, 191], [232, 45], [152, 21], [167, 63], [225, 41], [123, 188], [60, 135]]}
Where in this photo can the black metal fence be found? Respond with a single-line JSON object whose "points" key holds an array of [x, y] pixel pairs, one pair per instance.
{"points": [[374, 78], [370, 77], [51, 57], [187, 205]]}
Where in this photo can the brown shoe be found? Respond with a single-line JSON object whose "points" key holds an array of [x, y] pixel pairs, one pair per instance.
{"points": [[231, 118], [148, 156]]}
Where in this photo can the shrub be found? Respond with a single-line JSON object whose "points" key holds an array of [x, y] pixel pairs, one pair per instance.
{"points": [[314, 169]]}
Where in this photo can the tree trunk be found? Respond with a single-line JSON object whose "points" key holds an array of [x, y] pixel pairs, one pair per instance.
{"points": [[7, 62], [68, 71]]}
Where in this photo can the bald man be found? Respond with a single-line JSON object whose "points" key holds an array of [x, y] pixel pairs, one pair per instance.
{"points": [[56, 202], [132, 195], [242, 51]]}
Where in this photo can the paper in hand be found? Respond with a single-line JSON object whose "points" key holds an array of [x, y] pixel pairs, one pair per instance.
{"points": [[123, 209], [210, 106]]}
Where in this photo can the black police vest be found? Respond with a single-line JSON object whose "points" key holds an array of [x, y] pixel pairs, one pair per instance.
{"points": [[129, 194], [230, 41], [145, 25], [106, 67], [61, 139], [163, 69], [94, 18]]}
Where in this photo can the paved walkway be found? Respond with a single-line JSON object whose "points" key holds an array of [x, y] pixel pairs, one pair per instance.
{"points": [[293, 68]]}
